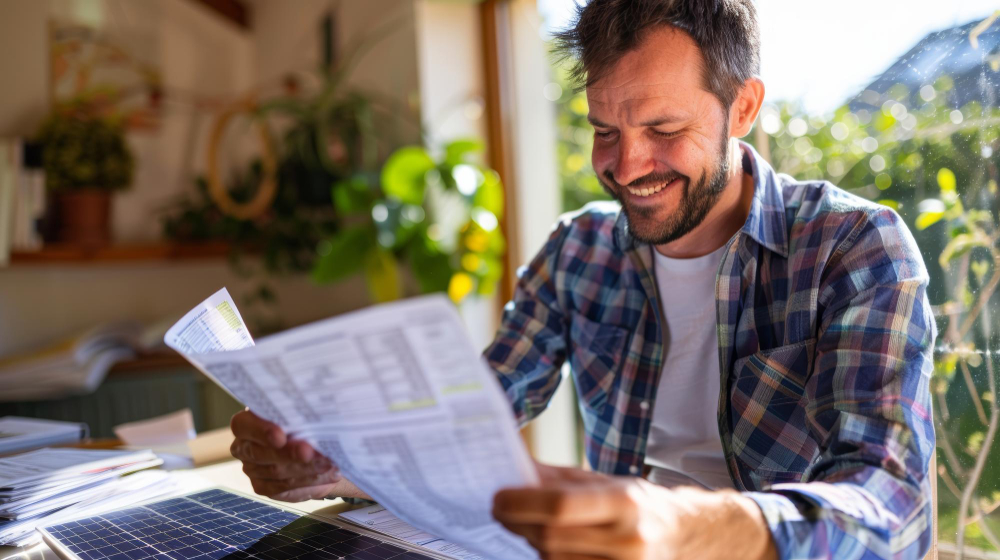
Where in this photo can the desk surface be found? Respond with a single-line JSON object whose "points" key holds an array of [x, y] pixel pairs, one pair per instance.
{"points": [[227, 475]]}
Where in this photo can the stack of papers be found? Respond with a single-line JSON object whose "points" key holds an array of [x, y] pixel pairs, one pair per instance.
{"points": [[19, 434], [45, 486], [397, 395]]}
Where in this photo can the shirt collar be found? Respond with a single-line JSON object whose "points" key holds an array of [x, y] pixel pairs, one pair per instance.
{"points": [[766, 222]]}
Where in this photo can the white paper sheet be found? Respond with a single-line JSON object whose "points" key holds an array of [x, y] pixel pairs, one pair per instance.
{"points": [[213, 326], [176, 427], [377, 518], [397, 396]]}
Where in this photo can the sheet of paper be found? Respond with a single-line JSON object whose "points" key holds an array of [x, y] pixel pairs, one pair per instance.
{"points": [[215, 325], [162, 430], [399, 398], [377, 518], [211, 446]]}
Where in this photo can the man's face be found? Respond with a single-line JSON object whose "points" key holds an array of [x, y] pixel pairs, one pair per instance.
{"points": [[661, 141]]}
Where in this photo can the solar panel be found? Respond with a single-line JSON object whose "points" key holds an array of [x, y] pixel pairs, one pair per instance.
{"points": [[212, 525]]}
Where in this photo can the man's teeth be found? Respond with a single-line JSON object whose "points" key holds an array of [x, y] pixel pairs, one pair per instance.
{"points": [[646, 191]]}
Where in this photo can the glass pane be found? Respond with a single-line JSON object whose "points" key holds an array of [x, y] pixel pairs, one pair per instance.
{"points": [[897, 102]]}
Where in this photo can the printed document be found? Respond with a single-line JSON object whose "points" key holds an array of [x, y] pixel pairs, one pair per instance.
{"points": [[397, 395], [377, 518]]}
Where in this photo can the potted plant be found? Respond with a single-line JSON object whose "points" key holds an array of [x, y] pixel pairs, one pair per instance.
{"points": [[86, 159]]}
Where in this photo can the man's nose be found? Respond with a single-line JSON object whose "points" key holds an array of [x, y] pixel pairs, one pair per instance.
{"points": [[634, 161]]}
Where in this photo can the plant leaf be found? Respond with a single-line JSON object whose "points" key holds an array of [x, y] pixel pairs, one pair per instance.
{"points": [[460, 286], [490, 194], [946, 179], [455, 152], [403, 174], [382, 274], [961, 244], [927, 219], [343, 254], [351, 196]]}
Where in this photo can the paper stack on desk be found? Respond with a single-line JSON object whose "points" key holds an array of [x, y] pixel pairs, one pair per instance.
{"points": [[396, 395], [42, 487]]}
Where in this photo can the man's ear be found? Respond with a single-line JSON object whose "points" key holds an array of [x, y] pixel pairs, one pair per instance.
{"points": [[745, 108]]}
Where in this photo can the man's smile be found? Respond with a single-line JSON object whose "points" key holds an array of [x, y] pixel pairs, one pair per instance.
{"points": [[649, 193]]}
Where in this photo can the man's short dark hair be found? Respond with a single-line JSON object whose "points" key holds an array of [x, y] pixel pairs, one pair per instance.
{"points": [[725, 30]]}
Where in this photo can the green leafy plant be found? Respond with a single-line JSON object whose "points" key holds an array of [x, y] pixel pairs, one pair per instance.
{"points": [[438, 216], [84, 148]]}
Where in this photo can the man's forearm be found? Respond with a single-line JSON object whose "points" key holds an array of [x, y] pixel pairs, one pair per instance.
{"points": [[712, 525], [346, 489]]}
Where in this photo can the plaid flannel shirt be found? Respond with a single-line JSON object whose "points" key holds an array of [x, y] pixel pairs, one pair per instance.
{"points": [[825, 350]]}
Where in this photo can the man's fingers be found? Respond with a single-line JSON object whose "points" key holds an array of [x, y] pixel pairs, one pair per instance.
{"points": [[600, 541], [302, 451], [283, 471], [304, 488], [247, 425], [563, 506], [303, 494], [551, 474], [251, 452]]}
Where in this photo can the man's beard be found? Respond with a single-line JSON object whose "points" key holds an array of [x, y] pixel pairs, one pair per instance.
{"points": [[693, 207]]}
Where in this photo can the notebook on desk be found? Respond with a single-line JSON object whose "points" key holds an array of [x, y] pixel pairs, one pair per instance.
{"points": [[215, 524]]}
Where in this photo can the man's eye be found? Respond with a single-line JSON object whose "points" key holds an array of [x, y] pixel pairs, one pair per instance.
{"points": [[604, 135], [665, 134]]}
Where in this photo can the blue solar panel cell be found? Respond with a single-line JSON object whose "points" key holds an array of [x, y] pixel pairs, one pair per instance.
{"points": [[216, 525]]}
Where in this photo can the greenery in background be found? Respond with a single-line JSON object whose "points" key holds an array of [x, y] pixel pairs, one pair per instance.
{"points": [[440, 217], [348, 204], [85, 148], [575, 141], [938, 167]]}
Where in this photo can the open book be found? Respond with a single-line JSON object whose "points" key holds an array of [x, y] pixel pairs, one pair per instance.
{"points": [[396, 395]]}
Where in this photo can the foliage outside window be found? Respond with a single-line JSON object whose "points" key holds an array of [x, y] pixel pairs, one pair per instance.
{"points": [[937, 165]]}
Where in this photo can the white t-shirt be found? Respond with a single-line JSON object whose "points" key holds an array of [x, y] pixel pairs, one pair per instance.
{"points": [[684, 447]]}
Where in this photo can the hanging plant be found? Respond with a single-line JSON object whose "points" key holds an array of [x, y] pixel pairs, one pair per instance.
{"points": [[437, 216]]}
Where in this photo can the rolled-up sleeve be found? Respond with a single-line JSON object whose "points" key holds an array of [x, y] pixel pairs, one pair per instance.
{"points": [[867, 494]]}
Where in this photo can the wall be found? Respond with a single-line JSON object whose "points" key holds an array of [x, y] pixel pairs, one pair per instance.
{"points": [[23, 97]]}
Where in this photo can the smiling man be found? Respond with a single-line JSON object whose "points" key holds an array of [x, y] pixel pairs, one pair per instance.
{"points": [[758, 348], [751, 353]]}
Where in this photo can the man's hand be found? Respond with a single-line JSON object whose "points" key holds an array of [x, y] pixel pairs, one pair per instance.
{"points": [[576, 514], [281, 468]]}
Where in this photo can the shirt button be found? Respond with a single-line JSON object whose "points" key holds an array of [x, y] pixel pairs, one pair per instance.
{"points": [[644, 405], [633, 469]]}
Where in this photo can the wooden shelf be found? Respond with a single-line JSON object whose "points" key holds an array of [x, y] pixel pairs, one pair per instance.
{"points": [[79, 254], [152, 362]]}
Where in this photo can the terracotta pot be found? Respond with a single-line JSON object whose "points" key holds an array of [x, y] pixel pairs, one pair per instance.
{"points": [[84, 216]]}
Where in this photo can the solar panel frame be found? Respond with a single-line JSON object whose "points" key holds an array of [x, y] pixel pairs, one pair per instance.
{"points": [[63, 551]]}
